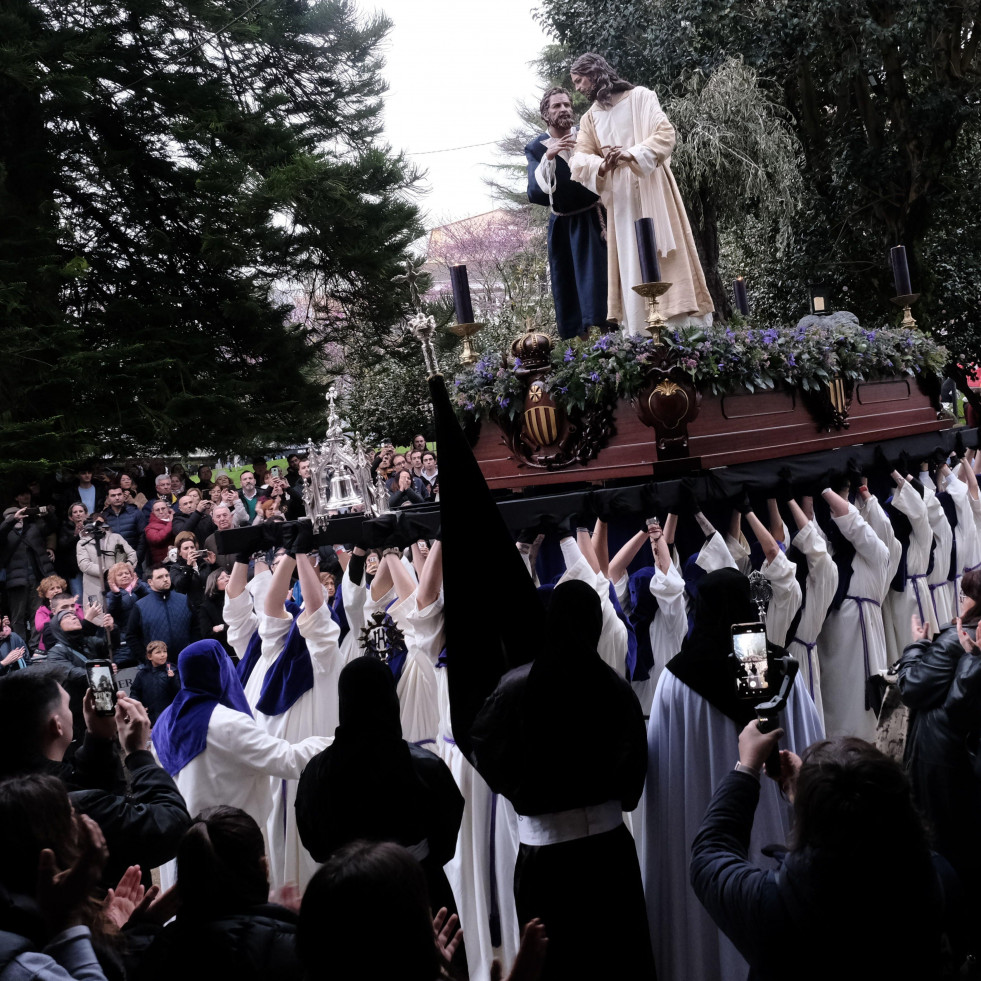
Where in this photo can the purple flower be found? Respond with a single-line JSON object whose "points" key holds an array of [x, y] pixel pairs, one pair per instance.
{"points": [[730, 334], [769, 335], [791, 361], [564, 389], [569, 355], [469, 407], [517, 362], [603, 343], [594, 377], [503, 401]]}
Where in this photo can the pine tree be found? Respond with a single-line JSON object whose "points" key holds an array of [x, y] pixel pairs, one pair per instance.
{"points": [[168, 173]]}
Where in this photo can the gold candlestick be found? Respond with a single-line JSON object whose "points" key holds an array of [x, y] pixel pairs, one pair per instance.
{"points": [[652, 293], [466, 331], [906, 302]]}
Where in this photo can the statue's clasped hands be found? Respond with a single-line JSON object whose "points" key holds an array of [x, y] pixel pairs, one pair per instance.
{"points": [[613, 157]]}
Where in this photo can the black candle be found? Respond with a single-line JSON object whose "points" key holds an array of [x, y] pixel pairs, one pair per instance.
{"points": [[900, 270], [739, 296], [461, 294], [650, 269]]}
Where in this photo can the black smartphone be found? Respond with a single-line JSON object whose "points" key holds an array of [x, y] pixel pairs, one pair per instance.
{"points": [[752, 660], [103, 685]]}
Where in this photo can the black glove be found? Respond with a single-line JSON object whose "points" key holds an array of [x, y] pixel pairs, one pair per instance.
{"points": [[376, 532], [742, 503], [689, 501], [783, 491], [527, 536], [303, 541]]}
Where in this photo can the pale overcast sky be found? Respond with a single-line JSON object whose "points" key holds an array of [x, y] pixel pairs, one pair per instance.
{"points": [[456, 70]]}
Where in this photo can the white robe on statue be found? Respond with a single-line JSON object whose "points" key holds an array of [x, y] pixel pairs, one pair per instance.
{"points": [[475, 888], [692, 746], [644, 188], [852, 643]]}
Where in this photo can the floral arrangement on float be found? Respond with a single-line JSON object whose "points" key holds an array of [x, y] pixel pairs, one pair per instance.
{"points": [[719, 359]]}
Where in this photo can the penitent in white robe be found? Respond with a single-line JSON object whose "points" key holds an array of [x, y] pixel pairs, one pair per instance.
{"points": [[235, 769], [488, 838], [612, 647], [852, 643], [899, 607], [691, 747], [667, 633], [644, 188], [822, 582], [314, 713], [943, 538]]}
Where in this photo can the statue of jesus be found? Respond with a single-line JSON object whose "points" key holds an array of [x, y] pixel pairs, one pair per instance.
{"points": [[623, 154]]}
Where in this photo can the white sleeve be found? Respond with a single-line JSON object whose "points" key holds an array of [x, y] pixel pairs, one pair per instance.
{"points": [[714, 555], [321, 633], [258, 587], [426, 628], [786, 598], [739, 550], [272, 634], [671, 622], [622, 588], [239, 739], [545, 175], [871, 511], [417, 688], [240, 620]]}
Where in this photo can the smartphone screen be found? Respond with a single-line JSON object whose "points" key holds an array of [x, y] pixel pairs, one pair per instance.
{"points": [[103, 686], [752, 671]]}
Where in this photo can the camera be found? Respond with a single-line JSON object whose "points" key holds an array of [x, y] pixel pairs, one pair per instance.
{"points": [[752, 661], [36, 512]]}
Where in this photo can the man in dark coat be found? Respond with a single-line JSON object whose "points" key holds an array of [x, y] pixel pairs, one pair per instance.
{"points": [[26, 560], [576, 236]]}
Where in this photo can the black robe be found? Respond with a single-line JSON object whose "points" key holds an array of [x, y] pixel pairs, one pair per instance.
{"points": [[567, 732], [576, 247]]}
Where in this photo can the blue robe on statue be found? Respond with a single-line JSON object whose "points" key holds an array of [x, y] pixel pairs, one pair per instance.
{"points": [[576, 247]]}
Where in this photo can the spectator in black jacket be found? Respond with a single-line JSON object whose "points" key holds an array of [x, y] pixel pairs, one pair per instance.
{"points": [[225, 925], [125, 519], [211, 616], [156, 683], [26, 558], [142, 827], [859, 853]]}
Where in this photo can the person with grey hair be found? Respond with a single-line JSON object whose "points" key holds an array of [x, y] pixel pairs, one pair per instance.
{"points": [[576, 224], [222, 517], [623, 154], [163, 493]]}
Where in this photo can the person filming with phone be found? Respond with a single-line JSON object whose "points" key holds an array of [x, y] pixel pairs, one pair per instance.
{"points": [[858, 859], [705, 697]]}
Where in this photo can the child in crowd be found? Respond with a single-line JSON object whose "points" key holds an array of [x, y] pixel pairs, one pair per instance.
{"points": [[156, 683]]}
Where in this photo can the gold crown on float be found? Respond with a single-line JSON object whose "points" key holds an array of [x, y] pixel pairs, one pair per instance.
{"points": [[533, 348]]}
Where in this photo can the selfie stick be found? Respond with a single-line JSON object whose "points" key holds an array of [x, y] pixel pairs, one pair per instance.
{"points": [[768, 712]]}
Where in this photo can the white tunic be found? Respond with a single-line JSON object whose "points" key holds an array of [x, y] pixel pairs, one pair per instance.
{"points": [[822, 582], [469, 871], [235, 769], [692, 746], [314, 713], [852, 643], [613, 639], [943, 537], [899, 607]]}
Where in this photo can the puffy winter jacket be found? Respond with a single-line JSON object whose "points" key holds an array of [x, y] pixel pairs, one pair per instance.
{"points": [[129, 523], [23, 550]]}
